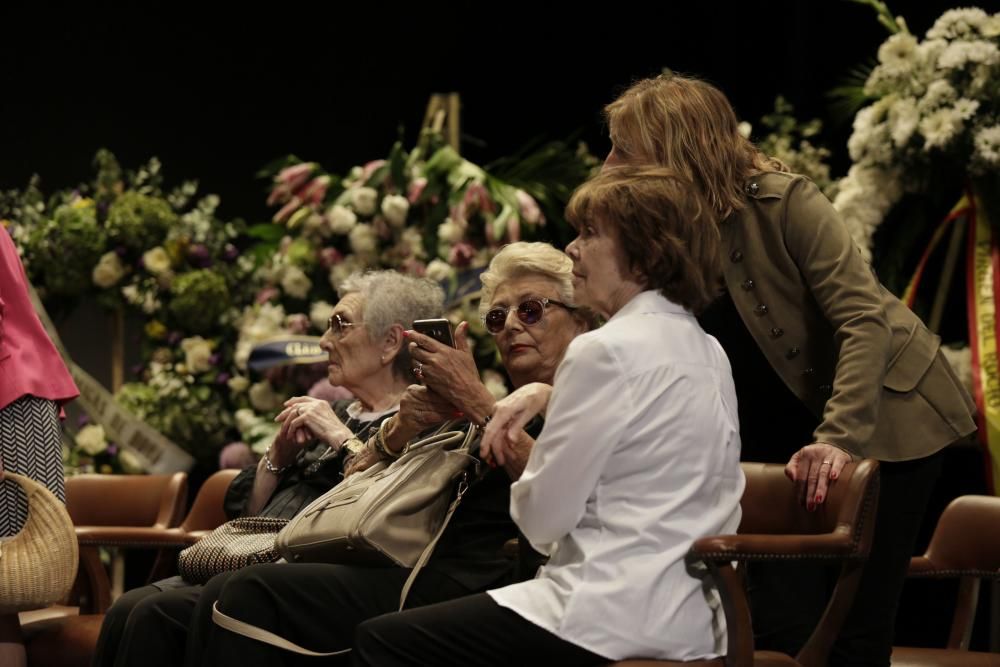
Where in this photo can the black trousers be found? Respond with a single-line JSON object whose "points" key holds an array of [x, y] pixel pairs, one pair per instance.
{"points": [[787, 599], [315, 605], [151, 626], [473, 630]]}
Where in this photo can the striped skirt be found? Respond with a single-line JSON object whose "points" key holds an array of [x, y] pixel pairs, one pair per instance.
{"points": [[30, 445]]}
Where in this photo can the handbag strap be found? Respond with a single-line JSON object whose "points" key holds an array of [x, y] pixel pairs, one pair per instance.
{"points": [[253, 632], [463, 486]]}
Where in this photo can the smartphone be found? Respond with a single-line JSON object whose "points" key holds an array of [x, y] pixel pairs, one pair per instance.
{"points": [[439, 329]]}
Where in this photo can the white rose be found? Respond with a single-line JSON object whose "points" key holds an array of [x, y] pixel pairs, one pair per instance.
{"points": [[263, 397], [339, 272], [363, 239], [109, 270], [395, 208], [450, 231], [245, 419], [242, 354], [413, 241], [438, 270], [238, 384], [295, 282], [745, 129], [316, 224], [156, 261], [91, 439], [129, 462], [319, 314], [342, 219], [197, 353], [363, 200]]}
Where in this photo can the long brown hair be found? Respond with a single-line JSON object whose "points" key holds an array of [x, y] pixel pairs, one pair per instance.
{"points": [[687, 125]]}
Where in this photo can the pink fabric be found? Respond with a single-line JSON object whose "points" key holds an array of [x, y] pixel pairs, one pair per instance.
{"points": [[29, 362]]}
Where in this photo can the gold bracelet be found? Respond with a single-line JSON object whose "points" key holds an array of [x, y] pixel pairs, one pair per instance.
{"points": [[380, 445]]}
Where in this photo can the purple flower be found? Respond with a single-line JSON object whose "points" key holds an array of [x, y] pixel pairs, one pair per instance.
{"points": [[330, 256], [137, 369], [215, 359], [82, 420], [236, 455], [174, 337], [121, 251], [199, 256], [112, 449], [222, 378], [230, 252]]}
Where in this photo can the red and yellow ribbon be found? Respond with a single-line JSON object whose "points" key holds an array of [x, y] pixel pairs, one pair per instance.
{"points": [[960, 211], [983, 267], [982, 292]]}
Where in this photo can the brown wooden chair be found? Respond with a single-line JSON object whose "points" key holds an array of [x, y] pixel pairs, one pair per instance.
{"points": [[965, 546], [70, 640], [775, 527]]}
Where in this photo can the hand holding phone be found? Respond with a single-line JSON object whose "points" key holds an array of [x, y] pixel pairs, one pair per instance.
{"points": [[438, 328]]}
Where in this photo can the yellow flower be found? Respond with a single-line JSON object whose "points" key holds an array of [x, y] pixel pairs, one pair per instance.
{"points": [[156, 330], [83, 202]]}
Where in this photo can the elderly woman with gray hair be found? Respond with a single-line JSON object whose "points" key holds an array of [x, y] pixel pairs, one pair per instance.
{"points": [[528, 306], [368, 355]]}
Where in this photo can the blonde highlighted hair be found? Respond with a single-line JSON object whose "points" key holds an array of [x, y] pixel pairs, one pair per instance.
{"points": [[687, 125], [520, 259]]}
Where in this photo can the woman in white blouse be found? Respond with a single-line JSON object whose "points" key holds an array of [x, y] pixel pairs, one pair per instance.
{"points": [[639, 457]]}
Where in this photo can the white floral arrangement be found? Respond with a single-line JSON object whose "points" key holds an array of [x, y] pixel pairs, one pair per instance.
{"points": [[935, 99]]}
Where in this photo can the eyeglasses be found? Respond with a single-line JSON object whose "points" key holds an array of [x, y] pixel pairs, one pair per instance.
{"points": [[529, 311], [338, 325]]}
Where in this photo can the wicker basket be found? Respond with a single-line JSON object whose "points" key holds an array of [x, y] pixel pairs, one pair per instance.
{"points": [[38, 565]]}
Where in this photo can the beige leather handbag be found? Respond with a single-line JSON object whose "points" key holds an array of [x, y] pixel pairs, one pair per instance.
{"points": [[38, 565], [388, 514]]}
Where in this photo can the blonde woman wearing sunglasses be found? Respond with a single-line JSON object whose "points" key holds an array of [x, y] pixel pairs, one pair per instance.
{"points": [[528, 306]]}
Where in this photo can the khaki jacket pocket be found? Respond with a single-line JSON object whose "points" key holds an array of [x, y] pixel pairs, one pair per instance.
{"points": [[912, 359]]}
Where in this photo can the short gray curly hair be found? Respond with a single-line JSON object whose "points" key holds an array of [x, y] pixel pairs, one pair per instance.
{"points": [[522, 258], [392, 298]]}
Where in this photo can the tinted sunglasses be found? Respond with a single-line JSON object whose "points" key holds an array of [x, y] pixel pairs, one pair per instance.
{"points": [[529, 312]]}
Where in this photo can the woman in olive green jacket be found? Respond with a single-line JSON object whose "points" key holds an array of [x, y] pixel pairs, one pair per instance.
{"points": [[829, 366]]}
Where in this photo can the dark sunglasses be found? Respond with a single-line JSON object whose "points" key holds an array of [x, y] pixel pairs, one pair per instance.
{"points": [[529, 311]]}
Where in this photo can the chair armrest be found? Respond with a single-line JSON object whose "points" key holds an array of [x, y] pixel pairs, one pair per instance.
{"points": [[132, 537], [837, 545]]}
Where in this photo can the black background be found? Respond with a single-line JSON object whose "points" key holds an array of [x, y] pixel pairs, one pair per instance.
{"points": [[217, 93]]}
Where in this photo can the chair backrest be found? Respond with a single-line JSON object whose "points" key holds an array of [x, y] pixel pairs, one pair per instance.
{"points": [[127, 500], [207, 512], [965, 545], [775, 527]]}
